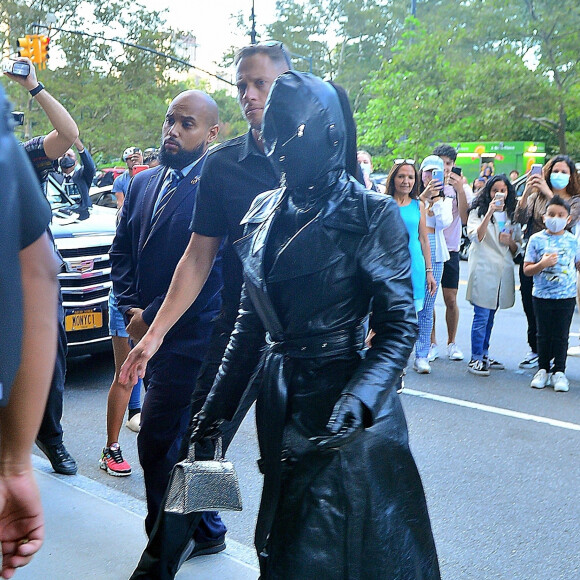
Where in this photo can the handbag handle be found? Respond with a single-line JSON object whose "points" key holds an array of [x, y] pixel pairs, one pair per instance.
{"points": [[218, 455]]}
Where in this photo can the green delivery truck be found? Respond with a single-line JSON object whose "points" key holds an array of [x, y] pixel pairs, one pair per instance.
{"points": [[493, 157]]}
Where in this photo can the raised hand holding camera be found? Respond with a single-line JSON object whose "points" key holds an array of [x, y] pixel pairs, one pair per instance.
{"points": [[18, 68]]}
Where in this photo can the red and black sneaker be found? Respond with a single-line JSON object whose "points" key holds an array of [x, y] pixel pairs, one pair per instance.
{"points": [[113, 463]]}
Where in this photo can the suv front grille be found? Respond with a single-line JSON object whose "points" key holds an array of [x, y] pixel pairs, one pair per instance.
{"points": [[87, 279], [83, 295], [84, 282], [84, 252]]}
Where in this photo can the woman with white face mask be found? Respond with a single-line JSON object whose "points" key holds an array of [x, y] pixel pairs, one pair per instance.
{"points": [[558, 177], [366, 166]]}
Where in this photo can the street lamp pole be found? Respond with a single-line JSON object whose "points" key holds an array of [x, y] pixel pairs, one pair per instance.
{"points": [[253, 31]]}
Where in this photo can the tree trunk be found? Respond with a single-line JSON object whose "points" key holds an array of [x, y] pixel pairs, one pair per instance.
{"points": [[562, 124]]}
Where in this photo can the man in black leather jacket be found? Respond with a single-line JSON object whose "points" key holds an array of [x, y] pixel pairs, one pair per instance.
{"points": [[342, 497]]}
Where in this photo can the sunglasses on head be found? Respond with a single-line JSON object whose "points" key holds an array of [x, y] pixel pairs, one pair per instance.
{"points": [[404, 161], [266, 44]]}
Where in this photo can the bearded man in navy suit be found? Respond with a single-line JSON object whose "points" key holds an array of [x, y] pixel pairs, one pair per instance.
{"points": [[152, 236]]}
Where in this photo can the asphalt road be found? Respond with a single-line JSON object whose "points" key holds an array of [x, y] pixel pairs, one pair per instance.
{"points": [[500, 462]]}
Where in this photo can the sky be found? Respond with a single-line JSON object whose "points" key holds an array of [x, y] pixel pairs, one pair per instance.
{"points": [[209, 21]]}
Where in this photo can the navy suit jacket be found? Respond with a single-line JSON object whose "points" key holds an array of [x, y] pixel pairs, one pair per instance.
{"points": [[82, 178], [143, 259]]}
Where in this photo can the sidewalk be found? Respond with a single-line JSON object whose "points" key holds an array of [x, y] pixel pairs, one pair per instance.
{"points": [[93, 531]]}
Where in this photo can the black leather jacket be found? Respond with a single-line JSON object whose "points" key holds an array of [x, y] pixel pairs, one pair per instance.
{"points": [[318, 258], [352, 255]]}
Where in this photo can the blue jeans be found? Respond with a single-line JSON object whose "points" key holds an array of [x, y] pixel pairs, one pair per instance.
{"points": [[170, 380], [117, 328], [425, 316], [481, 331]]}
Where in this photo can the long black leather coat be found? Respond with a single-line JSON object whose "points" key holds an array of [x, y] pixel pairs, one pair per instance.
{"points": [[358, 512]]}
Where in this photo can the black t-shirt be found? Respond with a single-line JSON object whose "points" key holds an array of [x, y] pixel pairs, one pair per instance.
{"points": [[233, 175], [42, 164], [24, 217]]}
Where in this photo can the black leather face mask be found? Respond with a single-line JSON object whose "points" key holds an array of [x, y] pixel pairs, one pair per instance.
{"points": [[303, 129]]}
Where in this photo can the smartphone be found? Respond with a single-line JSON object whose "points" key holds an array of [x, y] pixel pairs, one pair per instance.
{"points": [[508, 229], [439, 176], [14, 67], [536, 169], [499, 199], [456, 170]]}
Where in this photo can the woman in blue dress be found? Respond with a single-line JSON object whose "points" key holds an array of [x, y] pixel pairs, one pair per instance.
{"points": [[403, 185]]}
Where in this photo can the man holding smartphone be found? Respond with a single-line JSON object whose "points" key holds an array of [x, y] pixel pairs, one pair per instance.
{"points": [[461, 196]]}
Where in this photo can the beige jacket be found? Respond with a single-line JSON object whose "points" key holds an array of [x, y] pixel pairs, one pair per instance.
{"points": [[491, 282]]}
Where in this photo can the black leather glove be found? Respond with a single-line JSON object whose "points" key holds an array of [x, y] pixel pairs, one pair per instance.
{"points": [[345, 423], [204, 425]]}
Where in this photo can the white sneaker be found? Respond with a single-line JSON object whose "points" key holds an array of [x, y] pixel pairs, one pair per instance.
{"points": [[540, 380], [422, 366], [574, 351], [433, 353], [529, 361], [453, 352], [560, 382], [134, 423]]}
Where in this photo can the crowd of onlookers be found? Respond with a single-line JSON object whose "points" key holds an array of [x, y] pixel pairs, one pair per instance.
{"points": [[536, 232]]}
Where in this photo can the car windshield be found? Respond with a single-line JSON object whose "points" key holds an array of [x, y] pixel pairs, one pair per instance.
{"points": [[57, 197]]}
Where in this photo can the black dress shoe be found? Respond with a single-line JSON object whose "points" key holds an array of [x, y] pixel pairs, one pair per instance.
{"points": [[60, 459], [205, 548]]}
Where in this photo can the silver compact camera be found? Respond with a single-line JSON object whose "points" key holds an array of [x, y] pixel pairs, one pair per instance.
{"points": [[16, 67]]}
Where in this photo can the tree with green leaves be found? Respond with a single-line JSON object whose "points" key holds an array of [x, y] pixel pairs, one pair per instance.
{"points": [[431, 91], [478, 70], [118, 93], [346, 39], [548, 36]]}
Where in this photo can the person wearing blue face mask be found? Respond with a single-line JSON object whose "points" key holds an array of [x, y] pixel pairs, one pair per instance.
{"points": [[558, 177], [552, 258]]}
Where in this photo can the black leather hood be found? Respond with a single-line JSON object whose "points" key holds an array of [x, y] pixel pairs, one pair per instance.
{"points": [[303, 129]]}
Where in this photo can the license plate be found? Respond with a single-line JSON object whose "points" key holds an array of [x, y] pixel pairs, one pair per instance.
{"points": [[83, 320]]}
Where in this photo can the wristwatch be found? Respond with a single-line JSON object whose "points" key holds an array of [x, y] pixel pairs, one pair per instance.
{"points": [[39, 87]]}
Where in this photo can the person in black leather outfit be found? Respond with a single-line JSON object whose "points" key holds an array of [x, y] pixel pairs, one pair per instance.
{"points": [[342, 497]]}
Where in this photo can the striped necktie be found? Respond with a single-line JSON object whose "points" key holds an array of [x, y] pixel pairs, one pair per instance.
{"points": [[165, 196]]}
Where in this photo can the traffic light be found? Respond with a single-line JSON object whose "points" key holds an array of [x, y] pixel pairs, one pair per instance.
{"points": [[26, 47], [43, 42]]}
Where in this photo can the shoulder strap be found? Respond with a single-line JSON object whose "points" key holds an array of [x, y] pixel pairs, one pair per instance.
{"points": [[366, 207]]}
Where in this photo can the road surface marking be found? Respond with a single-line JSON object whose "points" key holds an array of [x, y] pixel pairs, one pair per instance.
{"points": [[495, 410]]}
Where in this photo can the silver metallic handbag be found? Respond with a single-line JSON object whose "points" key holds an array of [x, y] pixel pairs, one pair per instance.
{"points": [[199, 486]]}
